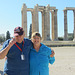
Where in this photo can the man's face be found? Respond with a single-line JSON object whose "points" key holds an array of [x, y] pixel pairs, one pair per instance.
{"points": [[19, 38]]}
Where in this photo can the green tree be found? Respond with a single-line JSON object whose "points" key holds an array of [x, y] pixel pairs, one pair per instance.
{"points": [[2, 39], [70, 38], [7, 35], [60, 38]]}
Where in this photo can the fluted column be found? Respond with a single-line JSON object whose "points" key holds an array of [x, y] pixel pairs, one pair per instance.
{"points": [[32, 21], [43, 17], [46, 24], [24, 18], [65, 26], [35, 23], [55, 26], [52, 21], [74, 25]]}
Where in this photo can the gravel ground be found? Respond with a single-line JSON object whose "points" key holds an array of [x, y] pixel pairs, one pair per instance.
{"points": [[64, 63]]}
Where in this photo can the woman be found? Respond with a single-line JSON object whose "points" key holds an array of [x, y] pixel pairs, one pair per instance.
{"points": [[39, 56]]}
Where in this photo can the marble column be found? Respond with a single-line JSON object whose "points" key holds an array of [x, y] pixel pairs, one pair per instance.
{"points": [[46, 24], [74, 25], [24, 18], [65, 26], [32, 21], [43, 17], [52, 21], [55, 26], [35, 23]]}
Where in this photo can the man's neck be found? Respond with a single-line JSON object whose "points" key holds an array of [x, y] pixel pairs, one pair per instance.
{"points": [[19, 42]]}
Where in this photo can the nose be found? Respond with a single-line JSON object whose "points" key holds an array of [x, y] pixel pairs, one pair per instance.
{"points": [[19, 37]]}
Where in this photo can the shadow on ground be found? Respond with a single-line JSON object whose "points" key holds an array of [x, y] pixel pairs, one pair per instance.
{"points": [[1, 72]]}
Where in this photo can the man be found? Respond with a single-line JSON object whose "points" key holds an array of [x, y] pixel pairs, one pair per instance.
{"points": [[17, 52]]}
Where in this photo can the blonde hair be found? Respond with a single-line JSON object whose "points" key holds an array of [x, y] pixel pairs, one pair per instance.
{"points": [[36, 34]]}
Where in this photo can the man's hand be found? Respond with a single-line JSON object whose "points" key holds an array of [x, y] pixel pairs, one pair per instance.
{"points": [[12, 42], [53, 53], [4, 52]]}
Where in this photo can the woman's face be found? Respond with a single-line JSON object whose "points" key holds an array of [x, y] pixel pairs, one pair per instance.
{"points": [[36, 40]]}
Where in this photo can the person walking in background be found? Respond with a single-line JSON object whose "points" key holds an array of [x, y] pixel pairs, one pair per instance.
{"points": [[40, 56]]}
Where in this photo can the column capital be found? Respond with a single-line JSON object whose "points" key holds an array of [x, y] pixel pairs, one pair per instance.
{"points": [[23, 7], [65, 10], [43, 11], [36, 6], [56, 10], [48, 7], [32, 12], [52, 12]]}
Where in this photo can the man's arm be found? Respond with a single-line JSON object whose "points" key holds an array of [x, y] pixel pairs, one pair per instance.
{"points": [[53, 53], [4, 52]]}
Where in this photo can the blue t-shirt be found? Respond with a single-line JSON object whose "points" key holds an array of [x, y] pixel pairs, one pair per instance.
{"points": [[39, 61], [14, 65]]}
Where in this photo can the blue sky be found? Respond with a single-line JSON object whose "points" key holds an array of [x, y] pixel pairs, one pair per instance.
{"points": [[10, 14]]}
